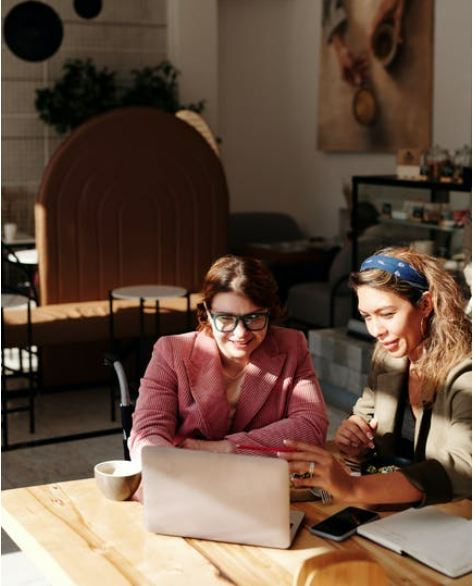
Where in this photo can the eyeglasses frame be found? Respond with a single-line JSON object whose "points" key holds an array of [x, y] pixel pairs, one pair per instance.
{"points": [[239, 318]]}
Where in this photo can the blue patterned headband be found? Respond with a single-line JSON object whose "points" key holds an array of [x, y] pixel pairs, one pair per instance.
{"points": [[397, 267]]}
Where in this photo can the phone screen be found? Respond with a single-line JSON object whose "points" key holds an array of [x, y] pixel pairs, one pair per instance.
{"points": [[344, 523]]}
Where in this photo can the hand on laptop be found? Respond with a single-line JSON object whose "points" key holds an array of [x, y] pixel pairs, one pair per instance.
{"points": [[222, 446]]}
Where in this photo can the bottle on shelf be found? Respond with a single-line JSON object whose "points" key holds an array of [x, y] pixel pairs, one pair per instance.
{"points": [[447, 169], [424, 169]]}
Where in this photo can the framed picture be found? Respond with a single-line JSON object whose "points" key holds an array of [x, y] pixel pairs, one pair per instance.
{"points": [[376, 75]]}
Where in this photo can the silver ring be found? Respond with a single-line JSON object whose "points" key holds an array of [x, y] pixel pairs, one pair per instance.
{"points": [[311, 468]]}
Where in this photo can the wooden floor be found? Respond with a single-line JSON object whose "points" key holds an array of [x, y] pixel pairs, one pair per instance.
{"points": [[61, 414]]}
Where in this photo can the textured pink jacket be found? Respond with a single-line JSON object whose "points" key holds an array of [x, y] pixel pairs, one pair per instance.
{"points": [[182, 394]]}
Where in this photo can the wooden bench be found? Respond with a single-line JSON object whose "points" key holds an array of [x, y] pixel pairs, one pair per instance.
{"points": [[73, 337]]}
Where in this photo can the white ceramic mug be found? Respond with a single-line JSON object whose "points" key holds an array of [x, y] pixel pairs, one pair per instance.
{"points": [[9, 232], [118, 479]]}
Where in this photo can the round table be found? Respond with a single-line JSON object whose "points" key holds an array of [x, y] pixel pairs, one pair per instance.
{"points": [[24, 257], [143, 293], [15, 301]]}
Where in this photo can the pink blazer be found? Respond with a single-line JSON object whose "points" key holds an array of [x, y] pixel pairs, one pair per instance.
{"points": [[182, 394]]}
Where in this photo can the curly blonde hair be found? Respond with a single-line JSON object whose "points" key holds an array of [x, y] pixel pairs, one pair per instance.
{"points": [[447, 340]]}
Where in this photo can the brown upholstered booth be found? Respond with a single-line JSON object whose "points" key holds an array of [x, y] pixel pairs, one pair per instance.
{"points": [[135, 196]]}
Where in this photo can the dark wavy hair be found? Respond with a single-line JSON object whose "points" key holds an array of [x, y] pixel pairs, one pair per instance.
{"points": [[244, 275]]}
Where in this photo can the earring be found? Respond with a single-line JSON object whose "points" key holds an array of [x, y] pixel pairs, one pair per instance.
{"points": [[422, 330]]}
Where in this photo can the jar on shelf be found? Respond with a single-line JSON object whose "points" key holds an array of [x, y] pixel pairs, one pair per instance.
{"points": [[458, 160], [467, 164], [424, 169], [447, 169], [436, 159]]}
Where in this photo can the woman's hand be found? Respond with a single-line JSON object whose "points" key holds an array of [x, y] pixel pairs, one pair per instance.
{"points": [[221, 446], [354, 68], [328, 473], [354, 435]]}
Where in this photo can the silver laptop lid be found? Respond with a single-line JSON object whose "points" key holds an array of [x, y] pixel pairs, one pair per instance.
{"points": [[222, 497]]}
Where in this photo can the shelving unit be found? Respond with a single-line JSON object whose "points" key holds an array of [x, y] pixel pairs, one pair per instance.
{"points": [[439, 192], [422, 225]]}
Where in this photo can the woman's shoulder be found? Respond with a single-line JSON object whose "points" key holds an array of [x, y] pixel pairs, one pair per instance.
{"points": [[286, 337], [177, 340], [460, 376]]}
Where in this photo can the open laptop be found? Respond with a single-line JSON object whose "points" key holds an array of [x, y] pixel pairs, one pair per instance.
{"points": [[221, 497]]}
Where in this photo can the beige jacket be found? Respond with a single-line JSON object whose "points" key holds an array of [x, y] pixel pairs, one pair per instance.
{"points": [[443, 430]]}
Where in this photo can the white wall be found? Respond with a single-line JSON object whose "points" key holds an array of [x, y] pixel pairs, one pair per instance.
{"points": [[268, 82], [192, 46]]}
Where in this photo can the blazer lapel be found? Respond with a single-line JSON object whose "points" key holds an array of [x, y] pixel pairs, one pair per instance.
{"points": [[206, 385], [262, 373], [389, 385]]}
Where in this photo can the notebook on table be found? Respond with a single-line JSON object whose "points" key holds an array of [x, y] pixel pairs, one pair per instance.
{"points": [[221, 497], [436, 538]]}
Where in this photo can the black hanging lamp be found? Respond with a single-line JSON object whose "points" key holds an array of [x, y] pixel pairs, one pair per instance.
{"points": [[33, 31], [88, 8]]}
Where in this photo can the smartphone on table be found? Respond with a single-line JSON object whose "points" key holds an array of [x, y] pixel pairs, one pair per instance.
{"points": [[343, 524]]}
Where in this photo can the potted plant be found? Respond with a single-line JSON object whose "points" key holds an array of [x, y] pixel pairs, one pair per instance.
{"points": [[84, 92]]}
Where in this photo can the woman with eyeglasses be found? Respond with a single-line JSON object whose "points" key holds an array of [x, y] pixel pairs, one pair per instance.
{"points": [[417, 403], [237, 384]]}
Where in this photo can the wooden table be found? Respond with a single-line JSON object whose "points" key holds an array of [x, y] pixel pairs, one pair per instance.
{"points": [[77, 537]]}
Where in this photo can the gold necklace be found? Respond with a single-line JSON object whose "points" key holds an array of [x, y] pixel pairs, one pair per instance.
{"points": [[234, 376]]}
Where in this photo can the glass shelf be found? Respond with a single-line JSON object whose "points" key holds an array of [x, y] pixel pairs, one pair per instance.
{"points": [[393, 180], [423, 225]]}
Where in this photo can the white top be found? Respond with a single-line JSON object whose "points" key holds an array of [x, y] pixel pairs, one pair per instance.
{"points": [[148, 292], [25, 257], [15, 301]]}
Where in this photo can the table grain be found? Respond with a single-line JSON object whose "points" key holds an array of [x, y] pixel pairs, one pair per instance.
{"points": [[77, 537]]}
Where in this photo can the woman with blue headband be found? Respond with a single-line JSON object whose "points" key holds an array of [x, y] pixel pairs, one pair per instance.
{"points": [[417, 403]]}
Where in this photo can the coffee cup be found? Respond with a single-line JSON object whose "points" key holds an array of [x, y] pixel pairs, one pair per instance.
{"points": [[118, 480], [385, 44], [9, 231]]}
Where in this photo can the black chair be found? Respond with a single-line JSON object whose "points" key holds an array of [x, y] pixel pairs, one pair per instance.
{"points": [[126, 405], [18, 364], [263, 227], [17, 274]]}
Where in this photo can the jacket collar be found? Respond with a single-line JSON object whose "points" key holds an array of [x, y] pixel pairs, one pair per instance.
{"points": [[206, 383], [262, 373], [390, 384]]}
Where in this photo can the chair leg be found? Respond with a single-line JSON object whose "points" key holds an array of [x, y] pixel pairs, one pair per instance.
{"points": [[4, 393]]}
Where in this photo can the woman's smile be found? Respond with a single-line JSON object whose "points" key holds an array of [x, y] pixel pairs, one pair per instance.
{"points": [[391, 345]]}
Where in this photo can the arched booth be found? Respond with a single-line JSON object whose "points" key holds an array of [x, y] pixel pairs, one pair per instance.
{"points": [[134, 196]]}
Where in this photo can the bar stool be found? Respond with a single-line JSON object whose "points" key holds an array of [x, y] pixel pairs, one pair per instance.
{"points": [[14, 366], [142, 294]]}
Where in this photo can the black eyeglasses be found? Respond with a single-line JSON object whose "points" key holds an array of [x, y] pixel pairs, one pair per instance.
{"points": [[227, 322]]}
